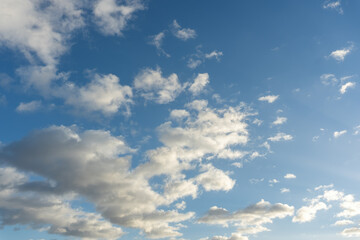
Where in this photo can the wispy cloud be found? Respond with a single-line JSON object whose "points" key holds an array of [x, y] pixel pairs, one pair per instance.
{"points": [[182, 33], [29, 106], [339, 133], [269, 98], [334, 5]]}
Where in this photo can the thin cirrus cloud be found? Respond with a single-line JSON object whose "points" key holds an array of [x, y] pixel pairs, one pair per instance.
{"points": [[157, 41]]}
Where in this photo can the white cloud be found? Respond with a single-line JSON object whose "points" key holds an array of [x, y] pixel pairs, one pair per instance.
{"points": [[257, 122], [357, 130], [339, 55], [339, 133], [182, 33], [214, 54], [29, 106], [308, 213], [335, 5], [280, 137], [199, 84], [269, 98], [290, 176], [112, 18], [237, 164], [328, 79], [351, 208], [250, 220], [157, 41], [153, 86], [41, 32], [96, 166], [50, 212], [351, 232], [104, 94], [284, 190], [280, 120], [346, 86], [272, 181], [193, 63], [213, 179], [343, 222], [179, 114]]}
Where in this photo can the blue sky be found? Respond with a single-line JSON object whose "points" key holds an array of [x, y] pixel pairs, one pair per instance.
{"points": [[199, 120]]}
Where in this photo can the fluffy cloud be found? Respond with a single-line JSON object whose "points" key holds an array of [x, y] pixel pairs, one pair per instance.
{"points": [[351, 208], [199, 83], [182, 33], [339, 55], [104, 94], [39, 31], [280, 120], [210, 131], [346, 86], [269, 98], [280, 137], [284, 190], [351, 232], [153, 86], [95, 165], [112, 18], [29, 107], [48, 212], [249, 220], [308, 213], [289, 176], [213, 179]]}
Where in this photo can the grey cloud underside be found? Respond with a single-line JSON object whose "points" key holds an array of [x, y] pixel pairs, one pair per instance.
{"points": [[95, 165]]}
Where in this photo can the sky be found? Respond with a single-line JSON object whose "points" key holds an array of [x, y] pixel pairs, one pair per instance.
{"points": [[179, 120]]}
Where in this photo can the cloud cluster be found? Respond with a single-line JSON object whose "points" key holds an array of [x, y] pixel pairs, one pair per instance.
{"points": [[349, 208], [344, 84], [42, 30], [249, 220], [154, 87], [96, 166]]}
